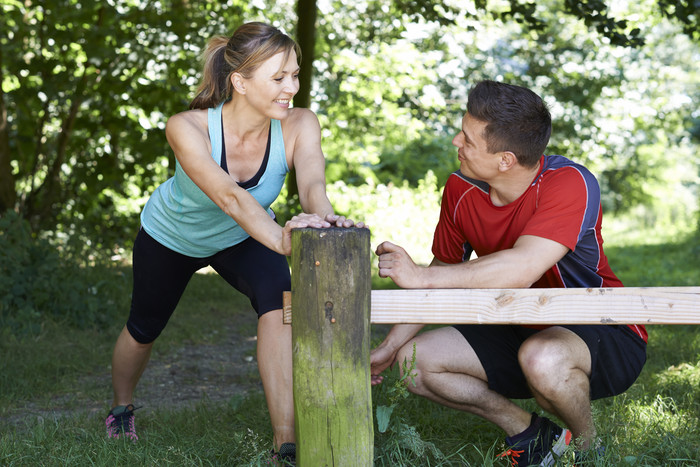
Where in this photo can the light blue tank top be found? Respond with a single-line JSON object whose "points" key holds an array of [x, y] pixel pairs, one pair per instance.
{"points": [[181, 217]]}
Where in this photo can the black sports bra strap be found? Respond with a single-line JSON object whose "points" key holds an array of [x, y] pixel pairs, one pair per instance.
{"points": [[256, 178], [224, 163]]}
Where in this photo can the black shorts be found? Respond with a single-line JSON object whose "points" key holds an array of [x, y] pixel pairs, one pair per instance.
{"points": [[617, 356], [161, 275]]}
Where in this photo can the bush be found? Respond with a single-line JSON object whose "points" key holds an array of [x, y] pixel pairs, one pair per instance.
{"points": [[400, 214], [38, 283]]}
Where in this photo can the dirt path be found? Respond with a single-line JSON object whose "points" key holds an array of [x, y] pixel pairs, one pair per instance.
{"points": [[181, 378], [193, 372]]}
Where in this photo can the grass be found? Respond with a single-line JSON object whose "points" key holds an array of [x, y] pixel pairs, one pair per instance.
{"points": [[654, 423]]}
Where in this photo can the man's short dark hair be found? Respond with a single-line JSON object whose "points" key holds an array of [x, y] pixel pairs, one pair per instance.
{"points": [[517, 119]]}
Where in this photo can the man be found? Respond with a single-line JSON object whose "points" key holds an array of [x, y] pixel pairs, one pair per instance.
{"points": [[533, 221]]}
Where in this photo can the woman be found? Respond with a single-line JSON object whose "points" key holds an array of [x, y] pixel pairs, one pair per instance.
{"points": [[234, 148]]}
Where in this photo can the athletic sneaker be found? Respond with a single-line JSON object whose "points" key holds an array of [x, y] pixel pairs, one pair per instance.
{"points": [[541, 444], [120, 421], [287, 455]]}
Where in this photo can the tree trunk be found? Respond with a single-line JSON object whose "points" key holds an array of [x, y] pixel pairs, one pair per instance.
{"points": [[306, 38], [8, 195]]}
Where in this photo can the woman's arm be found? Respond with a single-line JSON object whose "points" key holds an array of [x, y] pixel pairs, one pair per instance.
{"points": [[310, 166], [187, 135]]}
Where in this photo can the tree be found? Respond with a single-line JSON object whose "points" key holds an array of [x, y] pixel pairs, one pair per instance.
{"points": [[399, 69], [8, 195], [306, 38], [86, 88]]}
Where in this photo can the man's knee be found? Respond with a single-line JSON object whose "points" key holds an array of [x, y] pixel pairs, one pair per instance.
{"points": [[406, 357], [549, 365], [542, 358]]}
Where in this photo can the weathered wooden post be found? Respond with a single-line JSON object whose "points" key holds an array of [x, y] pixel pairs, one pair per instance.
{"points": [[331, 289]]}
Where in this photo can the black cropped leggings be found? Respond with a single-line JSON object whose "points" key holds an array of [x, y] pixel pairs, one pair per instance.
{"points": [[161, 275]]}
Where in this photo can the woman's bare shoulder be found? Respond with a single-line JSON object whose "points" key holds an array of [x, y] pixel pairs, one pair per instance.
{"points": [[300, 121], [191, 118], [300, 114], [187, 123]]}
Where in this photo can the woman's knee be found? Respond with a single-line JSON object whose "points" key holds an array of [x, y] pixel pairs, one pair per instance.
{"points": [[142, 334]]}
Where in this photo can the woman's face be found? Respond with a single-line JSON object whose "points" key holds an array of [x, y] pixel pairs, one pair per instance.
{"points": [[273, 85]]}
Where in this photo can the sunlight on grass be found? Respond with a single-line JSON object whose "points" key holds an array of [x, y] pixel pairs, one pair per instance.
{"points": [[684, 378], [659, 414], [684, 373], [638, 228], [658, 429]]}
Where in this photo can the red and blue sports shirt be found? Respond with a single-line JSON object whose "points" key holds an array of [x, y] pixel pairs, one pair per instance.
{"points": [[562, 204]]}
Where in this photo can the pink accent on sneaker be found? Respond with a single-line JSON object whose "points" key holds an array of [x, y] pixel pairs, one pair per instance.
{"points": [[122, 424]]}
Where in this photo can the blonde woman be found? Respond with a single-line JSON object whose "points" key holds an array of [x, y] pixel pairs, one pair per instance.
{"points": [[234, 148]]}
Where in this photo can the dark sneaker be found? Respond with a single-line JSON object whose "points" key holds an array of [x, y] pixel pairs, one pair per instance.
{"points": [[541, 444], [120, 422], [287, 455]]}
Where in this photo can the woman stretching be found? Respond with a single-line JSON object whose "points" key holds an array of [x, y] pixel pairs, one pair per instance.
{"points": [[234, 148]]}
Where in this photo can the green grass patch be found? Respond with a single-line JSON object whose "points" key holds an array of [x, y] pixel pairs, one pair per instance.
{"points": [[668, 264], [654, 423]]}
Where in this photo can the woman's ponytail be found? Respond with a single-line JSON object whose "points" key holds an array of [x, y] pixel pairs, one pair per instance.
{"points": [[214, 86]]}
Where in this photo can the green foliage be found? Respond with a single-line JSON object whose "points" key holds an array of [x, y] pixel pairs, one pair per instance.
{"points": [[87, 87], [37, 283], [685, 12], [404, 446], [397, 213], [395, 392], [409, 164], [594, 14], [400, 443], [390, 99]]}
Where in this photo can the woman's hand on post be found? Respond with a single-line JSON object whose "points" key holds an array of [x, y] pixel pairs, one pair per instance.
{"points": [[341, 221], [300, 221], [315, 221]]}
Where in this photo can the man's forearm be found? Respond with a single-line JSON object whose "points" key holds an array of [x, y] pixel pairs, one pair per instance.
{"points": [[492, 271], [400, 334], [517, 267]]}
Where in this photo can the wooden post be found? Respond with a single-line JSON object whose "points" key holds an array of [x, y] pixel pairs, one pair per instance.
{"points": [[331, 289]]}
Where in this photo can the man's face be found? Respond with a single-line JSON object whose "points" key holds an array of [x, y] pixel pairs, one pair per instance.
{"points": [[475, 160]]}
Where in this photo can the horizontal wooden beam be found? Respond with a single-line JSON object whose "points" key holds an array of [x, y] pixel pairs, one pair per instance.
{"points": [[620, 305]]}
